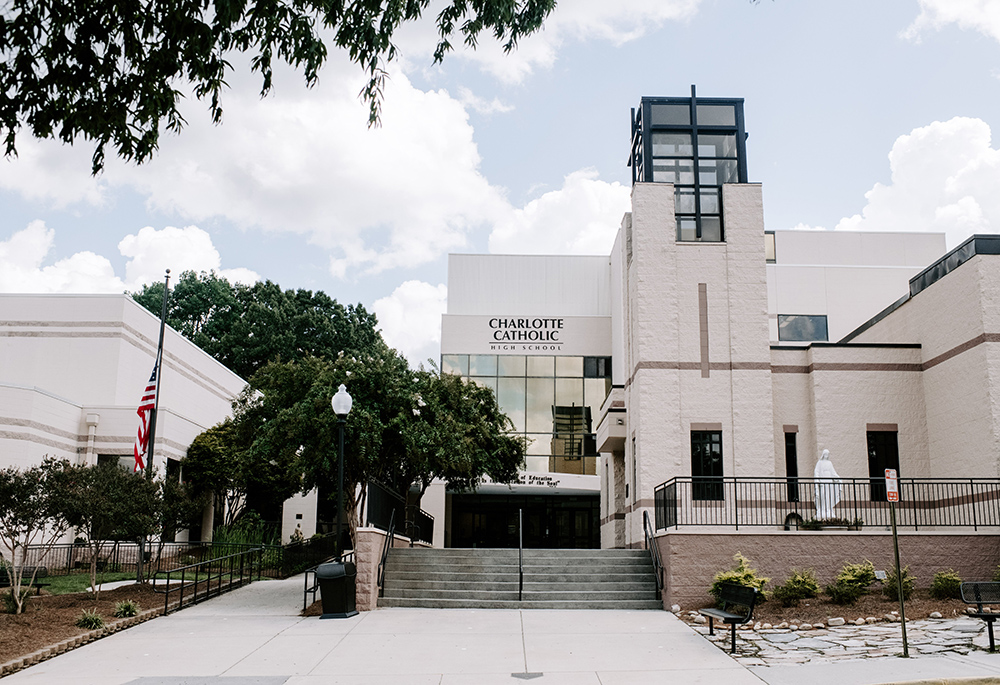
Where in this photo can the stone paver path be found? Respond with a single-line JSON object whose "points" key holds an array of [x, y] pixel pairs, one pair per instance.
{"points": [[781, 646]]}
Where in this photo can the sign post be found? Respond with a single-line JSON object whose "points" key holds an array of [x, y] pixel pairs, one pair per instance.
{"points": [[892, 496]]}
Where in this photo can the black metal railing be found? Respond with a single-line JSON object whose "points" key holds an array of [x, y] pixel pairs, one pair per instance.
{"points": [[654, 552], [210, 578], [390, 535], [385, 505], [520, 554], [791, 503], [419, 525], [116, 556]]}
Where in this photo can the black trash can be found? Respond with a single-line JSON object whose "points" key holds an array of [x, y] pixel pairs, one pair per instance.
{"points": [[337, 582]]}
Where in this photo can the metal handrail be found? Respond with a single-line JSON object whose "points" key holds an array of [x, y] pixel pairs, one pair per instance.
{"points": [[389, 535], [654, 553], [520, 554], [237, 569], [790, 502]]}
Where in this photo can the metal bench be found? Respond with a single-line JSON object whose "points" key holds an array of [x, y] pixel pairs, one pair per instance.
{"points": [[732, 596], [980, 593], [26, 573]]}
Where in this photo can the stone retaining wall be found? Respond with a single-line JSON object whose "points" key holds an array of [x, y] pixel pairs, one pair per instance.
{"points": [[367, 554]]}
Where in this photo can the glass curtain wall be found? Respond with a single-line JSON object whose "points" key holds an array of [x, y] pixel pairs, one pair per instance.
{"points": [[554, 402]]}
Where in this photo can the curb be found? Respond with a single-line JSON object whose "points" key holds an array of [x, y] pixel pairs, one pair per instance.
{"points": [[971, 680], [72, 643]]}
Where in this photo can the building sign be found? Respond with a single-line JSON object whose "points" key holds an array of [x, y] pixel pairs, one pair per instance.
{"points": [[531, 335]]}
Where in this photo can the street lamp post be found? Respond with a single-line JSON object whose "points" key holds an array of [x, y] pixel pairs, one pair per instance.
{"points": [[341, 407]]}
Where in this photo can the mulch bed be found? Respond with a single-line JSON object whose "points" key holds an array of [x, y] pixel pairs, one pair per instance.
{"points": [[50, 618], [920, 605]]}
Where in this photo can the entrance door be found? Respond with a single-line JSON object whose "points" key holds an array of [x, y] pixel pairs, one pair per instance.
{"points": [[883, 453], [550, 521]]}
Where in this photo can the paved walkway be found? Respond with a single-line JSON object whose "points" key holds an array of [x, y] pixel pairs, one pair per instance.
{"points": [[254, 636]]}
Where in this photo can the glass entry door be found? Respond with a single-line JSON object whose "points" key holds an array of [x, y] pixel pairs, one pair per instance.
{"points": [[550, 521]]}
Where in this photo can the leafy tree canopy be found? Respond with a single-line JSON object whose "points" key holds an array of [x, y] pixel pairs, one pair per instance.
{"points": [[109, 71], [246, 326], [406, 427]]}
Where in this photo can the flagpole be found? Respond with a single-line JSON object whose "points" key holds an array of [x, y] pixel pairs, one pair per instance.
{"points": [[159, 378]]}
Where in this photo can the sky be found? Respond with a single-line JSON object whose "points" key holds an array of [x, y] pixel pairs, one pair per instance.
{"points": [[861, 116]]}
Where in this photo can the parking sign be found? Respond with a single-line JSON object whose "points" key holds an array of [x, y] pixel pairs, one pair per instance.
{"points": [[891, 485]]}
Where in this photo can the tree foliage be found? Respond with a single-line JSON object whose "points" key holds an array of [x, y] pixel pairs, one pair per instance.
{"points": [[108, 502], [406, 427], [244, 327], [111, 71], [32, 512], [217, 465]]}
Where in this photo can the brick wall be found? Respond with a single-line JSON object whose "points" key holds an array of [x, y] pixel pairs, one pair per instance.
{"points": [[691, 560]]}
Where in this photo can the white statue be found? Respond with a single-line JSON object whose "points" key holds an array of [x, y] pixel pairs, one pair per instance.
{"points": [[827, 487]]}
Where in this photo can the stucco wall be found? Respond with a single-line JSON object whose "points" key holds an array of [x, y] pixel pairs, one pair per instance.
{"points": [[667, 387], [691, 559]]}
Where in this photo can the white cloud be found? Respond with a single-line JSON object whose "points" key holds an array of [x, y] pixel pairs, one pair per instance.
{"points": [[977, 15], [52, 172], [398, 195], [581, 20], [481, 105], [410, 319], [944, 179], [21, 269], [582, 217], [150, 252]]}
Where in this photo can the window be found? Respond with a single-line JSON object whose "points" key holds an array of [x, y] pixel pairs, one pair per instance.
{"points": [[792, 467], [802, 327], [883, 453], [706, 465], [696, 144], [552, 402], [770, 256]]}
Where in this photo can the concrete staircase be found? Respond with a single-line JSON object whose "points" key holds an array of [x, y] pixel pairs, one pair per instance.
{"points": [[488, 579]]}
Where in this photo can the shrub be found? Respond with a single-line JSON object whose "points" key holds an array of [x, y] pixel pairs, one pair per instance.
{"points": [[890, 588], [844, 593], [799, 585], [126, 608], [996, 575], [9, 604], [852, 582], [946, 585], [90, 620], [741, 575], [859, 575]]}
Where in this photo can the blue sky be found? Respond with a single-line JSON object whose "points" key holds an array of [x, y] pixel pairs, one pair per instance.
{"points": [[861, 115]]}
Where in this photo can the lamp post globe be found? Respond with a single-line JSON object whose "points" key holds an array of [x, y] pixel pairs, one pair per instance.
{"points": [[341, 404]]}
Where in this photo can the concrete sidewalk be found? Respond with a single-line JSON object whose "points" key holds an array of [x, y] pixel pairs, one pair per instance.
{"points": [[254, 636]]}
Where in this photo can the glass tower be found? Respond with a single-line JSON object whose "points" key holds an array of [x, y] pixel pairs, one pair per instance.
{"points": [[698, 144]]}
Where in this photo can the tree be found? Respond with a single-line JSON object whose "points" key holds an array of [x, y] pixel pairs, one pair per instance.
{"points": [[108, 502], [393, 434], [219, 465], [31, 513], [109, 71], [244, 327], [457, 434]]}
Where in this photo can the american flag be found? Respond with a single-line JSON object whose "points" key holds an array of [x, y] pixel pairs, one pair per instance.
{"points": [[145, 410]]}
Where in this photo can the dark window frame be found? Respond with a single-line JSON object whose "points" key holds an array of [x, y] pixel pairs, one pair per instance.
{"points": [[707, 470]]}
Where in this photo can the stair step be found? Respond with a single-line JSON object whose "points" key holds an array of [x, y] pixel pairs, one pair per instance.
{"points": [[647, 604], [488, 578]]}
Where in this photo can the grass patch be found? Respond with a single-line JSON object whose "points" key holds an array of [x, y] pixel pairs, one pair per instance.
{"points": [[80, 582]]}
